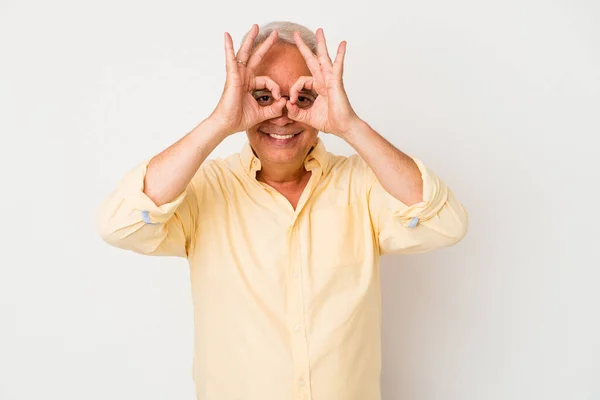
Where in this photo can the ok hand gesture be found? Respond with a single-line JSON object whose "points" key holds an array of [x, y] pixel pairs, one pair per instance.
{"points": [[237, 110], [331, 112]]}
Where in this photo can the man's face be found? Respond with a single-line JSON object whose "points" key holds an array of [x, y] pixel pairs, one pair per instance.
{"points": [[284, 64]]}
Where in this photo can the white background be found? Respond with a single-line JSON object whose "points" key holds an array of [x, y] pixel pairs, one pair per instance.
{"points": [[501, 99]]}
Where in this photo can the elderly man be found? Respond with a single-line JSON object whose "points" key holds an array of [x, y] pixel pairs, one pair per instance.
{"points": [[283, 239]]}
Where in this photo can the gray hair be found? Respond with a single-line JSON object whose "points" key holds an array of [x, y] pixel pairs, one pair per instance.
{"points": [[285, 33]]}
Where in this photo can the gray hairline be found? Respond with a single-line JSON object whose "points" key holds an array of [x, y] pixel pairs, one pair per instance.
{"points": [[285, 34]]}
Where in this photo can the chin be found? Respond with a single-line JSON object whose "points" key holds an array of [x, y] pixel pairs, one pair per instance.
{"points": [[281, 156]]}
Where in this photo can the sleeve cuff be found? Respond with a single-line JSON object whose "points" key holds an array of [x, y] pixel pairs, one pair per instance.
{"points": [[435, 195], [133, 189]]}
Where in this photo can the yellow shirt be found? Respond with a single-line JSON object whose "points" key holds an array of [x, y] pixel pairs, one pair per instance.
{"points": [[286, 302]]}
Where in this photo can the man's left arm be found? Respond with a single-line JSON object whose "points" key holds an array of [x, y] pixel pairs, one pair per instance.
{"points": [[412, 209]]}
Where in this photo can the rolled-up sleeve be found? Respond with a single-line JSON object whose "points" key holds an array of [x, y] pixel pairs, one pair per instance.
{"points": [[130, 220], [439, 220]]}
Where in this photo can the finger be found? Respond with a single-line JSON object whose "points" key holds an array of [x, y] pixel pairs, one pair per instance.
{"points": [[338, 64], [311, 60], [304, 82], [230, 63], [246, 47], [322, 52], [274, 110], [296, 113], [260, 52], [264, 82]]}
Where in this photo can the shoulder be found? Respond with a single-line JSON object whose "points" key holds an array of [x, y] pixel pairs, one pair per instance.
{"points": [[219, 174], [219, 167], [352, 165]]}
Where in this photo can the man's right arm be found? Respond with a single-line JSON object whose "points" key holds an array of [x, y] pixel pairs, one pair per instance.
{"points": [[170, 172], [155, 207]]}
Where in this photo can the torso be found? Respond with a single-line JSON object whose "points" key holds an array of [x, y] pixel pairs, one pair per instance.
{"points": [[293, 197]]}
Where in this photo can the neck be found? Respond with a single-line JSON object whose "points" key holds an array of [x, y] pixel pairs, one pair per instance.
{"points": [[282, 175]]}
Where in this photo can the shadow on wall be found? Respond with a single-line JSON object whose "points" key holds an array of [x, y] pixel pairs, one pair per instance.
{"points": [[426, 317]]}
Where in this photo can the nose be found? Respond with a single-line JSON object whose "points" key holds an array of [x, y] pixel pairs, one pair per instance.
{"points": [[282, 120]]}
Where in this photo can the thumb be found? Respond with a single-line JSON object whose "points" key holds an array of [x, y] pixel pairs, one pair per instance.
{"points": [[296, 113], [274, 110]]}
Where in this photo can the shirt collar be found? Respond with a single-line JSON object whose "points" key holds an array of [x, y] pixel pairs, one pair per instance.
{"points": [[317, 157]]}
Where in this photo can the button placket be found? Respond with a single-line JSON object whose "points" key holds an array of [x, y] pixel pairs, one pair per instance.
{"points": [[296, 317]]}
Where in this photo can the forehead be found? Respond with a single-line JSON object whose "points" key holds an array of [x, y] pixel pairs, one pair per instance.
{"points": [[284, 64]]}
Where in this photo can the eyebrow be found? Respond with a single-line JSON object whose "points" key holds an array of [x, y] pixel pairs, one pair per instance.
{"points": [[303, 92]]}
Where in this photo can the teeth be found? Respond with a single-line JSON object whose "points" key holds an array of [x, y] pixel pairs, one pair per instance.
{"points": [[281, 136]]}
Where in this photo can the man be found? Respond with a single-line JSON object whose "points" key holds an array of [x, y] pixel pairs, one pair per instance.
{"points": [[284, 238]]}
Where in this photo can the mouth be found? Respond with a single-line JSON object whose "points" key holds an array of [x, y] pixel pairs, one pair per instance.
{"points": [[281, 138]]}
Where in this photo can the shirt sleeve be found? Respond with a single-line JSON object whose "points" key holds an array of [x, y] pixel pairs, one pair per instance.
{"points": [[130, 220], [439, 220]]}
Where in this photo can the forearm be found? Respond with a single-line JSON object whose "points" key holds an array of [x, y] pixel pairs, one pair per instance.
{"points": [[170, 171], [396, 171]]}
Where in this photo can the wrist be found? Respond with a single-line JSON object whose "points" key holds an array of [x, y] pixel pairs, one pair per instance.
{"points": [[217, 127], [211, 130], [354, 128]]}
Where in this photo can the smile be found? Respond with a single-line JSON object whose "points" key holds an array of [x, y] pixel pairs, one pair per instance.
{"points": [[280, 137]]}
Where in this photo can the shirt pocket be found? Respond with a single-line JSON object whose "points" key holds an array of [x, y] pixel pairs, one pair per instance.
{"points": [[337, 235]]}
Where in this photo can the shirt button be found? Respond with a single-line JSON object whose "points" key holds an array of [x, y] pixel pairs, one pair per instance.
{"points": [[413, 222], [302, 383], [297, 328], [296, 275]]}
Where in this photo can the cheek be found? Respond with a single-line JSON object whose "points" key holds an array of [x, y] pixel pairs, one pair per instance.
{"points": [[253, 132], [253, 136], [311, 133]]}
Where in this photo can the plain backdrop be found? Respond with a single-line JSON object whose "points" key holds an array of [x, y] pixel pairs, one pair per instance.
{"points": [[501, 99]]}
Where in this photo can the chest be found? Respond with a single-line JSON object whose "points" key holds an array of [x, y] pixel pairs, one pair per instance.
{"points": [[293, 194]]}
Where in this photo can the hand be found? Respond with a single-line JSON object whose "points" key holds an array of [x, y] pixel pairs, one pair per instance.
{"points": [[331, 112], [237, 110]]}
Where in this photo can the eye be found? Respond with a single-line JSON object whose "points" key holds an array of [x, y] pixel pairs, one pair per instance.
{"points": [[304, 101], [264, 100]]}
